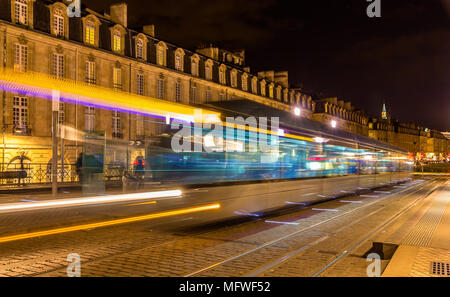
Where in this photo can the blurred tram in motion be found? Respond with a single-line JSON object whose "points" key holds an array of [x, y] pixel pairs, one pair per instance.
{"points": [[294, 159], [298, 172]]}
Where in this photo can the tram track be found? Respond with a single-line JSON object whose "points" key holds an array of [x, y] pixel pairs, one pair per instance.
{"points": [[271, 243], [291, 254]]}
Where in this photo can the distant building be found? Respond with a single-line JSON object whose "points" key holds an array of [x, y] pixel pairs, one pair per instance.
{"points": [[332, 111], [423, 143]]}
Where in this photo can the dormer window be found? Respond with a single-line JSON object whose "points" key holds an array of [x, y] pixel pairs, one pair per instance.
{"points": [[254, 85], [141, 46], [117, 42], [139, 49], [234, 78], [161, 49], [89, 36], [91, 26], [222, 75], [118, 39], [271, 90], [21, 12], [245, 82], [58, 22], [209, 70], [263, 88], [279, 93], [179, 59], [194, 65]]}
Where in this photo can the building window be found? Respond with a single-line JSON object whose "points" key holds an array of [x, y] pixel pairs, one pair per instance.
{"points": [[117, 78], [233, 79], [140, 84], [90, 72], [194, 67], [58, 65], [178, 91], [263, 88], [245, 82], [208, 95], [117, 42], [161, 54], [21, 12], [139, 49], [160, 88], [139, 126], [178, 61], [90, 33], [58, 22], [20, 57], [255, 86], [89, 118], [61, 113], [208, 71], [20, 115], [193, 94], [222, 78], [116, 125]]}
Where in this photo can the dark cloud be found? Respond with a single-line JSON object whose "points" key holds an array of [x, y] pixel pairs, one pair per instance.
{"points": [[328, 46]]}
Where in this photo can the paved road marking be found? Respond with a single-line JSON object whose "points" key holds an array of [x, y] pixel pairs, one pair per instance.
{"points": [[345, 201], [282, 223], [324, 209], [297, 203], [369, 196]]}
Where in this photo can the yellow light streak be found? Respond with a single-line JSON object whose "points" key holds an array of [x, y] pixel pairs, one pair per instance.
{"points": [[97, 95], [143, 203], [108, 98], [110, 223]]}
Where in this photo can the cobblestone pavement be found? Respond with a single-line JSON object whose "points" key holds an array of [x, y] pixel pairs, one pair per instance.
{"points": [[298, 242]]}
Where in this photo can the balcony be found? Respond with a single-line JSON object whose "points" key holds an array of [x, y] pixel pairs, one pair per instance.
{"points": [[21, 131]]}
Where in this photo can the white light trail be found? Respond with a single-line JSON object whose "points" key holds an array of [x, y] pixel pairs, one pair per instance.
{"points": [[11, 207]]}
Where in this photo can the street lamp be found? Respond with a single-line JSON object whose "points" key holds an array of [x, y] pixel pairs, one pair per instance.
{"points": [[333, 124], [297, 111]]}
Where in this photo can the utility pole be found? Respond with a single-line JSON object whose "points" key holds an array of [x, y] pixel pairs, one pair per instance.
{"points": [[55, 109]]}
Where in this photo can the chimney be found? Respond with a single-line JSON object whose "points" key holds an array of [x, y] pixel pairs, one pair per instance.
{"points": [[119, 13], [149, 30]]}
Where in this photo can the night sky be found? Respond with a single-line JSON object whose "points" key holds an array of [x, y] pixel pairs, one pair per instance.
{"points": [[329, 47]]}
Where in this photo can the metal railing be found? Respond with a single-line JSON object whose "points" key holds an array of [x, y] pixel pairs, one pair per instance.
{"points": [[41, 173]]}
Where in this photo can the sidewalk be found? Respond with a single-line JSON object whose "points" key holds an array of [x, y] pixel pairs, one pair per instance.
{"points": [[425, 250]]}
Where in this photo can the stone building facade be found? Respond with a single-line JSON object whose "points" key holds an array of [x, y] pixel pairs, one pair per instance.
{"points": [[100, 49], [423, 143], [341, 115]]}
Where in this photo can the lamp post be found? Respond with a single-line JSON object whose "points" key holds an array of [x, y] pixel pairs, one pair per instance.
{"points": [[55, 109]]}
